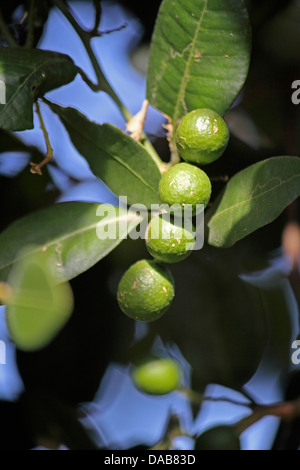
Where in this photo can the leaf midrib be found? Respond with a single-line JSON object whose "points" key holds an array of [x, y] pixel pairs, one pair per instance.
{"points": [[228, 209], [70, 235], [22, 85], [186, 74], [116, 158]]}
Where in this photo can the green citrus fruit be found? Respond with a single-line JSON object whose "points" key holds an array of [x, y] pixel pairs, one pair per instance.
{"points": [[145, 291], [167, 240], [218, 438], [186, 185], [202, 136], [157, 376]]}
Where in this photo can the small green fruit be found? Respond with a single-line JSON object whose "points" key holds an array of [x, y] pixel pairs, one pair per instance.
{"points": [[202, 136], [145, 291], [218, 438], [167, 240], [157, 376], [185, 184]]}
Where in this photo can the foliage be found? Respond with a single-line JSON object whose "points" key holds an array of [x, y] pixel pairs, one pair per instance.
{"points": [[199, 58]]}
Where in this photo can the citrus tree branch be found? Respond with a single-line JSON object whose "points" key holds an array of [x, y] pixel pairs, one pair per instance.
{"points": [[30, 23], [85, 37], [98, 11], [102, 82], [287, 411], [36, 167], [198, 398]]}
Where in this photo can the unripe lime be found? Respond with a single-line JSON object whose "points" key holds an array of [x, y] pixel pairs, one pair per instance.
{"points": [[185, 184], [157, 376], [202, 136], [167, 240], [218, 438], [145, 291]]}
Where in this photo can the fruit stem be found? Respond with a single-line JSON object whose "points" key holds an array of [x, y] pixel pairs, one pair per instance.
{"points": [[172, 141], [36, 167], [174, 158], [136, 123]]}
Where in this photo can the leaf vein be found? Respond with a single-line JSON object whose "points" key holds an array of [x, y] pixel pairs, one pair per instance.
{"points": [[228, 209]]}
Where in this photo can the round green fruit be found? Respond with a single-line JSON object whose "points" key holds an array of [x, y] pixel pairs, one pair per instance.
{"points": [[202, 136], [168, 240], [157, 376], [185, 185], [145, 291], [219, 438]]}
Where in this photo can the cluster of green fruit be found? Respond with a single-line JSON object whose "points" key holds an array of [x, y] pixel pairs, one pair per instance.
{"points": [[146, 289]]}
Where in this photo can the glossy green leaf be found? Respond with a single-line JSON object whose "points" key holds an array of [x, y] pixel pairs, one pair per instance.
{"points": [[38, 308], [27, 74], [216, 319], [74, 235], [199, 55], [121, 162], [254, 197]]}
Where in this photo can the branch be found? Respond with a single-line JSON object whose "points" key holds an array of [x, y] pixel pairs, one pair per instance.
{"points": [[98, 34], [30, 25], [198, 398], [36, 167], [287, 411], [98, 12], [102, 82]]}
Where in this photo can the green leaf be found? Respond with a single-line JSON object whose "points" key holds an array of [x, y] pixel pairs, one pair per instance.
{"points": [[68, 233], [27, 75], [222, 332], [199, 56], [121, 162], [38, 308], [253, 198]]}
